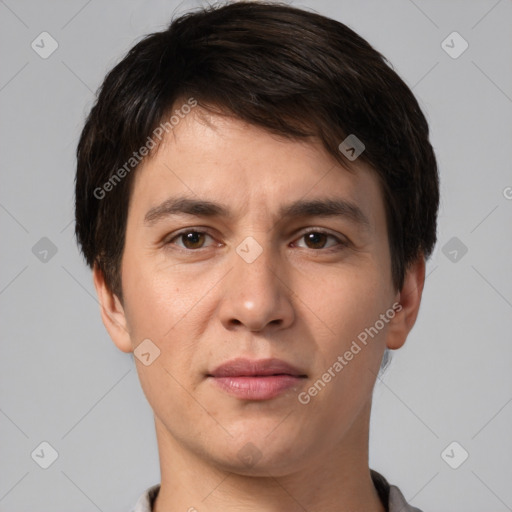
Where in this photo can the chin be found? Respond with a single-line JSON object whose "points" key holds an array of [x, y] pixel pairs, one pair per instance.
{"points": [[255, 455]]}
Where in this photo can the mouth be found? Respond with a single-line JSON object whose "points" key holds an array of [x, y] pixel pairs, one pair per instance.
{"points": [[256, 379]]}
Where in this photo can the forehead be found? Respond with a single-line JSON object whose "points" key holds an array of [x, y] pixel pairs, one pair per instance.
{"points": [[229, 161]]}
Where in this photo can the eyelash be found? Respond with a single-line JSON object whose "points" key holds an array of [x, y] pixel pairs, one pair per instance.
{"points": [[340, 245]]}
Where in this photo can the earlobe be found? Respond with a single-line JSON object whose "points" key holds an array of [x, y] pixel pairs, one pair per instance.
{"points": [[409, 299], [112, 312]]}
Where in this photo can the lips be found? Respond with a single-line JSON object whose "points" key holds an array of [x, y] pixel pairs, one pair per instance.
{"points": [[256, 380], [253, 368]]}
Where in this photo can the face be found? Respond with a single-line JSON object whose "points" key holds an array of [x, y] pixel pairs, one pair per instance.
{"points": [[244, 246]]}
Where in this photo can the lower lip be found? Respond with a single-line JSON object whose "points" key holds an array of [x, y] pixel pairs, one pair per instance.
{"points": [[257, 388]]}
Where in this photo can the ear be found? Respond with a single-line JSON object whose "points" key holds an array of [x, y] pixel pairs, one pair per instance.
{"points": [[409, 299], [112, 312]]}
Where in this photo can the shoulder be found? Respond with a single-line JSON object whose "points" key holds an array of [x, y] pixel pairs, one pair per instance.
{"points": [[145, 502], [390, 495]]}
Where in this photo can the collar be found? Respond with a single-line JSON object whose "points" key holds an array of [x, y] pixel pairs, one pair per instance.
{"points": [[390, 496]]}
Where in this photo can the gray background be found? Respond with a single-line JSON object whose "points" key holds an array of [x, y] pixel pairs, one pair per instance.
{"points": [[64, 382]]}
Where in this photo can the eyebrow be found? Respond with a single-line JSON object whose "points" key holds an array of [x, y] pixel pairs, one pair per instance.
{"points": [[300, 208]]}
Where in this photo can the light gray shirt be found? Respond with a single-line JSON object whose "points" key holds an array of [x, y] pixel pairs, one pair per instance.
{"points": [[390, 495]]}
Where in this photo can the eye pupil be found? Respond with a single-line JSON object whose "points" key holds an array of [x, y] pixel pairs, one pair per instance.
{"points": [[316, 238], [193, 238]]}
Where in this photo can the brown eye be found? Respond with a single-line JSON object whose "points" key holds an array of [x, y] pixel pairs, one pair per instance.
{"points": [[319, 240], [193, 240], [190, 239], [315, 240]]}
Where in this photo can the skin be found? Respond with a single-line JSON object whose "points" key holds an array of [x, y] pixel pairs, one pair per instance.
{"points": [[202, 304]]}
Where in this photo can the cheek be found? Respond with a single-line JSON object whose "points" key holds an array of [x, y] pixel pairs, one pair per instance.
{"points": [[156, 311], [350, 309], [152, 299]]}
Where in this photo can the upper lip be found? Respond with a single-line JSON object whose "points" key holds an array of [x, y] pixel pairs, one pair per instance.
{"points": [[242, 367]]}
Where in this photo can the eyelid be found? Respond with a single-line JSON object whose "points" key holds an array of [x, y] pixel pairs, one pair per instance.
{"points": [[173, 236], [341, 239]]}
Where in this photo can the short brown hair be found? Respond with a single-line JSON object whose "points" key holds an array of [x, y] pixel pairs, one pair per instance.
{"points": [[293, 72]]}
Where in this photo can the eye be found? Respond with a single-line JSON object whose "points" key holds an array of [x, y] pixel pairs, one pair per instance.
{"points": [[318, 239], [191, 239]]}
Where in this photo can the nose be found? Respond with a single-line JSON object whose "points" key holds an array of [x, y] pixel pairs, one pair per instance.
{"points": [[257, 294]]}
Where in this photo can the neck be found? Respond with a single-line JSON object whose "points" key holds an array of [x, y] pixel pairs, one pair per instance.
{"points": [[336, 481]]}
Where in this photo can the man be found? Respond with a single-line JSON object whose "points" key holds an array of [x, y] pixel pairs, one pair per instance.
{"points": [[256, 195]]}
